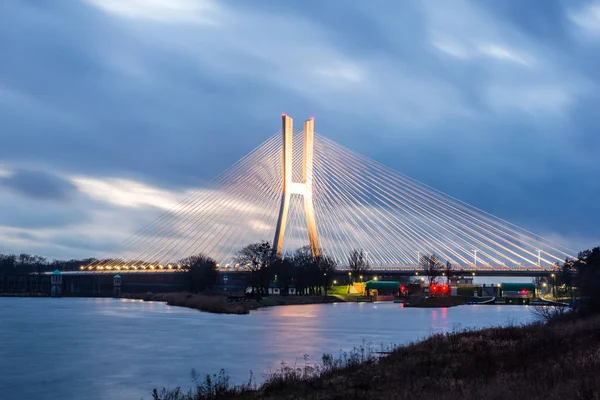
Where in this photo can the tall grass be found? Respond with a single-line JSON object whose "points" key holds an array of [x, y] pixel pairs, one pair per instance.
{"points": [[214, 304], [219, 304], [557, 360]]}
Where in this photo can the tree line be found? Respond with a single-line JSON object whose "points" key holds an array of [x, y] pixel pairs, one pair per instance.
{"points": [[28, 263], [307, 273], [579, 279]]}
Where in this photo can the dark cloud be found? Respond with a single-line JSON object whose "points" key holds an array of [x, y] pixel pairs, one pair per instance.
{"points": [[28, 215], [38, 185]]}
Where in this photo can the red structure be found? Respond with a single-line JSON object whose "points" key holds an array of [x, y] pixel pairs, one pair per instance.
{"points": [[439, 290]]}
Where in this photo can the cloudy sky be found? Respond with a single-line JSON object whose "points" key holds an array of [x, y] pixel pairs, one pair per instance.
{"points": [[111, 111]]}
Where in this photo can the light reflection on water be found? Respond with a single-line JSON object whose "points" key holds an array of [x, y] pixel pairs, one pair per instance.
{"points": [[121, 349]]}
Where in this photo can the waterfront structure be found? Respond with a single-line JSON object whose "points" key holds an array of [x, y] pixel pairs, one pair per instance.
{"points": [[56, 284], [518, 291], [117, 286]]}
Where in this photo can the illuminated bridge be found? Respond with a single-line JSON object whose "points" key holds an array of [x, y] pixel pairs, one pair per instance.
{"points": [[299, 188]]}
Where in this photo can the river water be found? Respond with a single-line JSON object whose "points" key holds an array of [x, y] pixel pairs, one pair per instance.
{"points": [[122, 349]]}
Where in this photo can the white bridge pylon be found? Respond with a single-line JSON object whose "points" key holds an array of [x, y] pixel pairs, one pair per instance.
{"points": [[304, 188]]}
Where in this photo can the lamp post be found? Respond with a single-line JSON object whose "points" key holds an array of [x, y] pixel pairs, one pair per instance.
{"points": [[553, 285], [349, 278]]}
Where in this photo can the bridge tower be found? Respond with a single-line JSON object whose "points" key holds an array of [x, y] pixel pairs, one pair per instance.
{"points": [[303, 188]]}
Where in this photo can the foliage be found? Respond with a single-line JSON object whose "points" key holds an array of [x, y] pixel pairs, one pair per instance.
{"points": [[28, 263], [587, 266], [213, 304], [312, 273], [202, 272], [327, 266], [306, 273], [283, 273], [550, 313], [538, 362]]}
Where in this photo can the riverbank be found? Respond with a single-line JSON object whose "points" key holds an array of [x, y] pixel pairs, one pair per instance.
{"points": [[558, 360], [219, 304]]}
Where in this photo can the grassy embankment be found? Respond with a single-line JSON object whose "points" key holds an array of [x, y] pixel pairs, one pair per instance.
{"points": [[219, 304], [559, 360]]}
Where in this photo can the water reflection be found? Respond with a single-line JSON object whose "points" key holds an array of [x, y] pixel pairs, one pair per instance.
{"points": [[105, 348]]}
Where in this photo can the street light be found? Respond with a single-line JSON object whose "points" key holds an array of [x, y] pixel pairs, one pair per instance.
{"points": [[375, 278], [553, 285], [349, 278]]}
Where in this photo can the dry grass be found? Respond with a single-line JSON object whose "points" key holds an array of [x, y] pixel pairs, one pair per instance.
{"points": [[213, 304], [559, 360], [219, 304]]}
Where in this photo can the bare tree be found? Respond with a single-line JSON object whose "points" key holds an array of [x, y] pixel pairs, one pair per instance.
{"points": [[432, 267], [283, 272], [327, 266], [358, 263], [303, 265], [257, 257], [448, 271], [550, 313]]}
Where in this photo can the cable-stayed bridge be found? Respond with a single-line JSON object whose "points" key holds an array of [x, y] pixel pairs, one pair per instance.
{"points": [[299, 188]]}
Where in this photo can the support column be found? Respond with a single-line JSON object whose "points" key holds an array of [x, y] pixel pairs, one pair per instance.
{"points": [[287, 130], [307, 179], [303, 188]]}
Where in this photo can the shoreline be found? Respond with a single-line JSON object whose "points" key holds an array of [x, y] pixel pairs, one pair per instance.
{"points": [[552, 360], [218, 304]]}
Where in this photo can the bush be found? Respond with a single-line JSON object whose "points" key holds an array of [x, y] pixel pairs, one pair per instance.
{"points": [[538, 361]]}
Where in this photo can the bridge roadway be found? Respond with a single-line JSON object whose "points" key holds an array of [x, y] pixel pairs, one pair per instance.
{"points": [[379, 271]]}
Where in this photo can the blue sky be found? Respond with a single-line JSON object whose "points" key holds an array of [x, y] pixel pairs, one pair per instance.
{"points": [[111, 111]]}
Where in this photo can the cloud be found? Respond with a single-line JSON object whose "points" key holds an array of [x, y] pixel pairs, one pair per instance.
{"points": [[474, 50], [137, 104], [126, 193], [38, 185], [587, 18], [166, 11], [468, 32], [503, 53], [552, 100], [5, 172]]}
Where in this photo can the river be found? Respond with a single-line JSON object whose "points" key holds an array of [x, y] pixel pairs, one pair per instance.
{"points": [[122, 349]]}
